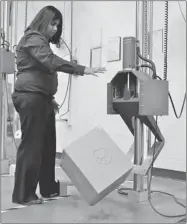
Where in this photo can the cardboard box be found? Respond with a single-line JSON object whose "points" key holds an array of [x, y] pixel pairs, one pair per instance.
{"points": [[95, 165]]}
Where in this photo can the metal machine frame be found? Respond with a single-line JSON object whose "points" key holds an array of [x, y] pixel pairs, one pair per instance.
{"points": [[130, 94]]}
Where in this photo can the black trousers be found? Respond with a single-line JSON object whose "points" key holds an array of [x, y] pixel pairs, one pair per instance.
{"points": [[37, 151]]}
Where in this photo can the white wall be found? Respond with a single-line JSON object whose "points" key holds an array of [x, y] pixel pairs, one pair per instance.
{"points": [[93, 24], [89, 94]]}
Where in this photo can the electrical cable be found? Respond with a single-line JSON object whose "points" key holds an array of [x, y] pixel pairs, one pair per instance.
{"points": [[63, 114], [170, 97], [181, 11], [14, 47], [174, 109], [123, 190], [65, 94], [147, 66], [183, 220], [147, 60], [68, 85], [5, 43], [14, 50], [67, 47], [10, 117], [68, 80], [150, 191]]}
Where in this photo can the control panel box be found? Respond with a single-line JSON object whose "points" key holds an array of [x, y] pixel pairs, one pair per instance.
{"points": [[7, 61]]}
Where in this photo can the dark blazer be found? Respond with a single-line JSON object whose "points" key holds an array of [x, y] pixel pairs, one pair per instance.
{"points": [[37, 65]]}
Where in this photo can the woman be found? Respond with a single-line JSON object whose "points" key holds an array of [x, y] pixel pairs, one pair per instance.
{"points": [[33, 99]]}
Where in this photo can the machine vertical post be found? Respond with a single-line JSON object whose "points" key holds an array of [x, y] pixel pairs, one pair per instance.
{"points": [[71, 58], [17, 125], [4, 161], [4, 93], [150, 57], [138, 150], [2, 101], [3, 134], [1, 92], [1, 118], [138, 155]]}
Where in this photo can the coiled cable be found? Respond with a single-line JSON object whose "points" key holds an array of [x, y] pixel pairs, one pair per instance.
{"points": [[26, 13], [145, 31], [165, 42]]}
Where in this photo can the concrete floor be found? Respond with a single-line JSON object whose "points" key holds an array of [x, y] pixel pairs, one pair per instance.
{"points": [[114, 208]]}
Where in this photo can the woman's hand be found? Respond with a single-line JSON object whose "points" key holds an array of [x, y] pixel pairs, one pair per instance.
{"points": [[55, 106], [93, 71]]}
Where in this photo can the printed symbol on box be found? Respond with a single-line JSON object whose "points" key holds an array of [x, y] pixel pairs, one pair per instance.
{"points": [[102, 156]]}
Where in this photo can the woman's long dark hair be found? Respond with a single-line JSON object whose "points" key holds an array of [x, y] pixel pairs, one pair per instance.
{"points": [[44, 17]]}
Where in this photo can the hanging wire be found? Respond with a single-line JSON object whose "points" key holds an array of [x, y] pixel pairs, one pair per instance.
{"points": [[181, 11], [3, 14]]}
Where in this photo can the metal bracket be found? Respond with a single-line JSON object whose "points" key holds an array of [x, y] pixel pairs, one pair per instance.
{"points": [[144, 168], [153, 152]]}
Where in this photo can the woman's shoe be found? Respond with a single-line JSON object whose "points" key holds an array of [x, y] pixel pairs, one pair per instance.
{"points": [[33, 199], [51, 195], [55, 193], [34, 202]]}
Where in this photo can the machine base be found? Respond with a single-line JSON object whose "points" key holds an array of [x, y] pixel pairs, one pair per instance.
{"points": [[64, 188], [138, 197]]}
